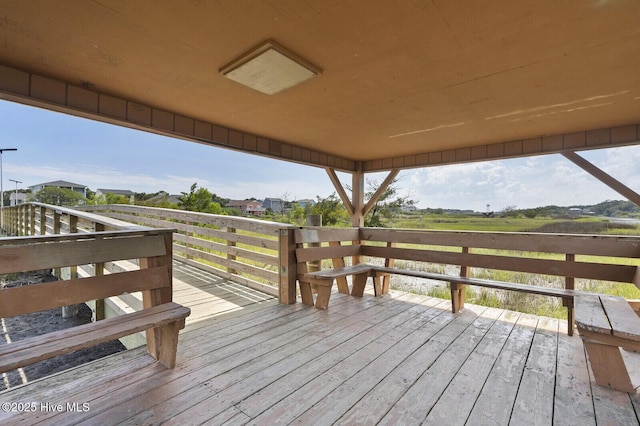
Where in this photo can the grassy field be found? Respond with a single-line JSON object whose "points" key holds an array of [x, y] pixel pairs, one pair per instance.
{"points": [[534, 304], [582, 225]]}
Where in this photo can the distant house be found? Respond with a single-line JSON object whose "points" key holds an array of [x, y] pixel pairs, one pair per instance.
{"points": [[252, 207], [17, 198], [275, 204], [81, 189], [122, 192], [305, 202]]}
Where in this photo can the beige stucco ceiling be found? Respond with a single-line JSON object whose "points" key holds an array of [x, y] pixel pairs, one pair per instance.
{"points": [[402, 82]]}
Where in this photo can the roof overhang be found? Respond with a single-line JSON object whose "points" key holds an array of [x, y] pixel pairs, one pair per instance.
{"points": [[403, 84]]}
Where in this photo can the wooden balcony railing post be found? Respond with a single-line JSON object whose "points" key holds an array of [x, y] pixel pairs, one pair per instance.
{"points": [[72, 310], [32, 219], [569, 284], [458, 290], [157, 297], [57, 226], [43, 220], [98, 270], [287, 266], [231, 256]]}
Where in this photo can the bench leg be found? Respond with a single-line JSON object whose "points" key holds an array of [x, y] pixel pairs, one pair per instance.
{"points": [[457, 296], [570, 316], [343, 286], [359, 281], [324, 293], [386, 279], [608, 366], [305, 292], [377, 287], [169, 343]]}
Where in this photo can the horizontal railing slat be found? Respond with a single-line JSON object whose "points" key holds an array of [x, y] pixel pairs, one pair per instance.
{"points": [[596, 245], [310, 254], [38, 297], [71, 253], [315, 235], [596, 271]]}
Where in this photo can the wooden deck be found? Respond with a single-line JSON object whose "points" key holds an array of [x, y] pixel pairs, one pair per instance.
{"points": [[399, 359]]}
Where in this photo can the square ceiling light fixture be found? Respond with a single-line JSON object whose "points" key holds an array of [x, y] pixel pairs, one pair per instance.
{"points": [[269, 68]]}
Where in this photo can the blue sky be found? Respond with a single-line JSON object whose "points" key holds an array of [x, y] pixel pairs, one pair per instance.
{"points": [[53, 146]]}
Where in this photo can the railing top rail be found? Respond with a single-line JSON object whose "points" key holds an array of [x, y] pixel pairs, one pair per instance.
{"points": [[588, 244], [196, 217], [139, 231], [113, 223]]}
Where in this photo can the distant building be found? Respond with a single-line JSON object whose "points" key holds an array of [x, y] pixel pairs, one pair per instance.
{"points": [[275, 204], [251, 207], [80, 189], [305, 202], [122, 192], [19, 198]]}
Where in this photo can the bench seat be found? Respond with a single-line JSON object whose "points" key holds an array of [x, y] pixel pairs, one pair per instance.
{"points": [[324, 280], [500, 285], [607, 324], [169, 318], [457, 284]]}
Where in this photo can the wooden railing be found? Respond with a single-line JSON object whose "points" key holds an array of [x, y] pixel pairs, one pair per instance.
{"points": [[242, 249], [150, 249], [261, 254], [555, 260], [46, 223]]}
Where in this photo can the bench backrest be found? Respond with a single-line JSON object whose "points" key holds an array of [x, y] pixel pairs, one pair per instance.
{"points": [[151, 249], [313, 245]]}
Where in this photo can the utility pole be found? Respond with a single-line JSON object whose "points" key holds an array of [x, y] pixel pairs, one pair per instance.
{"points": [[2, 188]]}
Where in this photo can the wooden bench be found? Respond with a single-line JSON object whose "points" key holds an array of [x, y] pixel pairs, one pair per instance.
{"points": [[167, 318], [487, 251], [310, 253], [457, 284], [606, 325], [161, 318]]}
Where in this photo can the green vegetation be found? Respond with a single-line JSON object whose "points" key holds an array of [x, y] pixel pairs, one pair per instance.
{"points": [[59, 197]]}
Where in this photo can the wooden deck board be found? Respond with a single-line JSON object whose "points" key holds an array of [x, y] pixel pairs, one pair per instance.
{"points": [[401, 358]]}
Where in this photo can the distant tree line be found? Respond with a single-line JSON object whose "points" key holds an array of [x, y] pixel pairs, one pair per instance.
{"points": [[333, 212]]}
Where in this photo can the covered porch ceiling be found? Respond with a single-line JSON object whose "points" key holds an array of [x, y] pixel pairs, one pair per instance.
{"points": [[400, 84]]}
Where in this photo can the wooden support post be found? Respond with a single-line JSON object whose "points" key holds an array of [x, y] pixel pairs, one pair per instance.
{"points": [[231, 256], [98, 270], [314, 220], [57, 224], [43, 220], [316, 265], [386, 278], [458, 290], [72, 310], [357, 195], [158, 296], [32, 219], [569, 284], [288, 268]]}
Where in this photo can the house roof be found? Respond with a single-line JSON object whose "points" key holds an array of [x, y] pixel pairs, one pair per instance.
{"points": [[402, 83], [60, 184]]}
